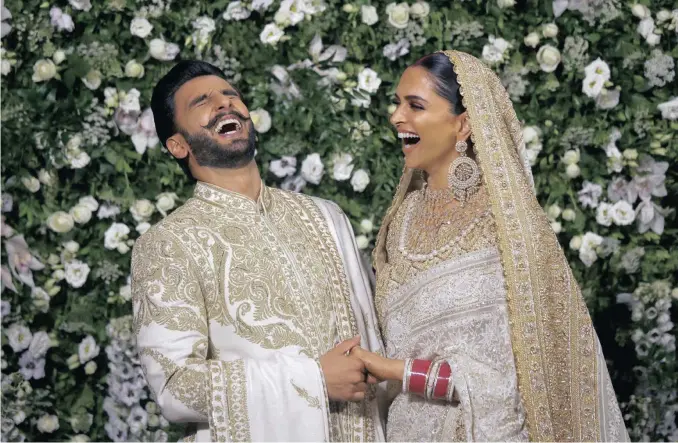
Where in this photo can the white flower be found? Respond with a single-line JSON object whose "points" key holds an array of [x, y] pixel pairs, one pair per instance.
{"points": [[646, 27], [261, 5], [575, 243], [653, 39], [41, 299], [126, 292], [44, 70], [129, 101], [90, 368], [366, 226], [553, 212], [60, 222], [40, 344], [19, 337], [530, 134], [163, 51], [598, 68], [587, 256], [557, 227], [669, 109], [90, 202], [362, 242], [165, 201], [593, 85], [571, 157], [115, 235], [604, 214], [140, 27], [572, 171], [134, 69], [398, 15], [343, 167], [312, 169], [494, 50], [622, 213], [591, 241], [284, 167], [368, 80], [531, 40], [142, 227], [31, 183], [504, 4], [261, 120], [204, 26], [71, 246], [19, 417], [142, 210], [569, 215], [420, 9], [360, 180], [369, 15], [108, 211], [615, 160], [548, 58], [111, 97], [81, 5], [640, 11], [291, 12], [76, 273], [393, 51], [48, 423], [61, 21], [549, 30], [608, 98], [81, 213], [59, 56], [46, 178], [88, 349], [271, 34], [236, 11]]}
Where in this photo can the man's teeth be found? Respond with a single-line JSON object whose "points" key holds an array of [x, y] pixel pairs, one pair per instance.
{"points": [[408, 138], [223, 123]]}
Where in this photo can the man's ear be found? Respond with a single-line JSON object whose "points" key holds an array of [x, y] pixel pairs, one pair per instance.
{"points": [[178, 146]]}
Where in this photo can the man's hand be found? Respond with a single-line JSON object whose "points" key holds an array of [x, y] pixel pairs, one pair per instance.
{"points": [[379, 367], [344, 374]]}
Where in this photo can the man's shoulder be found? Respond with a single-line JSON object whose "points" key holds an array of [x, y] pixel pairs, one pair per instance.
{"points": [[317, 201], [167, 228]]}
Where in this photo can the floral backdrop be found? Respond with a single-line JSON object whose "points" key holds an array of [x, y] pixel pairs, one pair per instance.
{"points": [[83, 173]]}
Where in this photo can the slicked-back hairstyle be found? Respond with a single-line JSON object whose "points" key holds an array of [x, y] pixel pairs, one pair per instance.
{"points": [[162, 101], [441, 69]]}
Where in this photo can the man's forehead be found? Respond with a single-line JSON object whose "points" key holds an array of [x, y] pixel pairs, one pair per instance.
{"points": [[202, 85]]}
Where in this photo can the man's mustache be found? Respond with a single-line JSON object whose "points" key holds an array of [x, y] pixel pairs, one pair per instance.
{"points": [[213, 122]]}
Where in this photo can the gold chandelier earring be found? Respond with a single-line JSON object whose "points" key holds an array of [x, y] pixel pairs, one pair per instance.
{"points": [[463, 175]]}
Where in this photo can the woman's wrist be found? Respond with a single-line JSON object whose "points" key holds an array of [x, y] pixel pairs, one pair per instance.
{"points": [[397, 370]]}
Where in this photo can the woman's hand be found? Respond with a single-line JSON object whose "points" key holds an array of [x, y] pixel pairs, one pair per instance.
{"points": [[381, 368]]}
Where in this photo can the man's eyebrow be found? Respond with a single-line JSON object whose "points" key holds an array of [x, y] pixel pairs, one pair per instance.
{"points": [[197, 100]]}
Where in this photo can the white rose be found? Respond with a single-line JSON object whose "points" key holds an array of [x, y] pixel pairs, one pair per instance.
{"points": [[571, 157], [369, 15], [368, 80], [653, 39], [129, 101], [111, 97], [126, 292], [81, 214], [89, 202], [236, 11], [48, 424], [593, 85], [81, 5], [312, 169], [530, 134], [557, 227], [88, 349], [142, 210], [663, 15], [134, 69], [92, 80], [76, 273], [587, 256], [569, 215], [165, 201], [669, 109], [31, 183], [572, 171], [142, 227], [548, 58], [284, 167], [503, 4], [271, 34], [116, 234], [494, 50], [19, 417], [420, 9], [343, 167], [553, 212], [646, 27], [140, 27], [598, 68], [366, 226], [608, 98], [398, 15], [163, 51], [44, 70], [60, 222], [72, 246], [362, 242], [591, 241], [603, 214], [78, 159], [549, 30], [360, 180], [90, 368], [532, 40], [19, 337], [40, 344], [46, 177], [59, 56], [261, 120], [622, 213], [122, 248], [640, 11]]}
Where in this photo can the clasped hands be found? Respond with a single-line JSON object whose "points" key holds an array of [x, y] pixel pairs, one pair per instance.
{"points": [[348, 369]]}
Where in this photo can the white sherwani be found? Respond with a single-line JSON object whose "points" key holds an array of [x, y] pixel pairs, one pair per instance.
{"points": [[234, 303]]}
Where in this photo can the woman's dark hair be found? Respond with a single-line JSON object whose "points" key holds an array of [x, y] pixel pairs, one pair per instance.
{"points": [[441, 69], [162, 101]]}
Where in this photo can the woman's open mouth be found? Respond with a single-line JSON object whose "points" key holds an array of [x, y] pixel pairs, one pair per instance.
{"points": [[409, 139]]}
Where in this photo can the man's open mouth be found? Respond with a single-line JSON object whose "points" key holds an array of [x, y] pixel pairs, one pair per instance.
{"points": [[228, 126]]}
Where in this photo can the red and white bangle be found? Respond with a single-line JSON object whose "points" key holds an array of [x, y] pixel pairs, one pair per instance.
{"points": [[442, 390], [406, 375], [418, 377]]}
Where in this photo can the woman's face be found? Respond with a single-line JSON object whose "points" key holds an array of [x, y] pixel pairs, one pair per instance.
{"points": [[425, 123]]}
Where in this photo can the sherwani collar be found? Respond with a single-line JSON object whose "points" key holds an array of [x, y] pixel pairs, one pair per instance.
{"points": [[234, 200]]}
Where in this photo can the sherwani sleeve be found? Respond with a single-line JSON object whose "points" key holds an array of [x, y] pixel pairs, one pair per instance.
{"points": [[279, 397]]}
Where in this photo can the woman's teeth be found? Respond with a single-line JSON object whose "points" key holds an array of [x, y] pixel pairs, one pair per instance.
{"points": [[408, 138]]}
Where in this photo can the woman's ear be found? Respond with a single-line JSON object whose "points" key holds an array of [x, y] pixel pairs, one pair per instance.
{"points": [[465, 130]]}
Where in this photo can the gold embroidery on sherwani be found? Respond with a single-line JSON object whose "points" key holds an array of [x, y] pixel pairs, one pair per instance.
{"points": [[551, 332], [303, 393]]}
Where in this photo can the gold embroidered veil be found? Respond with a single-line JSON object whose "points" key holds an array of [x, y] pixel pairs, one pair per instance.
{"points": [[554, 343]]}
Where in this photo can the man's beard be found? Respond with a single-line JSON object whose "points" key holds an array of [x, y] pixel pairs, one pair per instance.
{"points": [[212, 154]]}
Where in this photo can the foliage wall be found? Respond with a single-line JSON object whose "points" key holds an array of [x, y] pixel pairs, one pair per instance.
{"points": [[83, 173]]}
